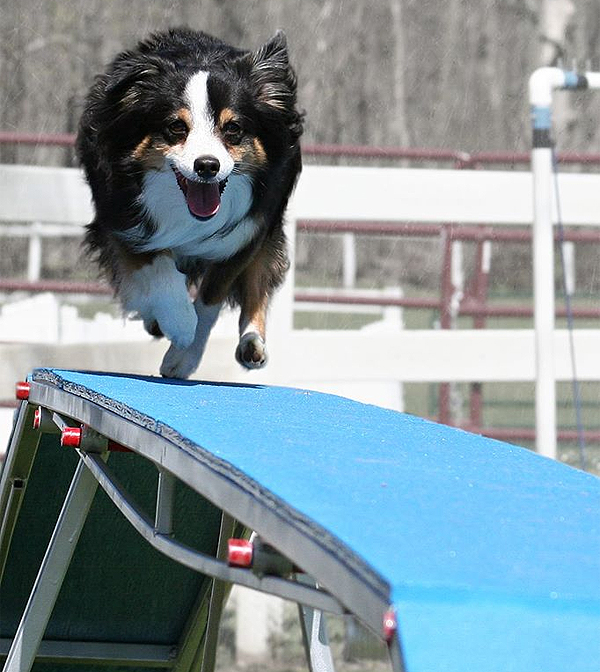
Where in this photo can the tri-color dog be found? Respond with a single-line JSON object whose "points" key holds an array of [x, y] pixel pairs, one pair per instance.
{"points": [[191, 149]]}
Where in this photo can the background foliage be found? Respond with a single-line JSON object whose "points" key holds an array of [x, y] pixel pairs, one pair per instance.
{"points": [[430, 73]]}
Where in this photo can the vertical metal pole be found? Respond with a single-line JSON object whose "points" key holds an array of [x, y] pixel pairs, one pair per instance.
{"points": [[314, 635], [218, 595], [52, 571], [541, 85], [543, 289], [163, 518], [21, 452]]}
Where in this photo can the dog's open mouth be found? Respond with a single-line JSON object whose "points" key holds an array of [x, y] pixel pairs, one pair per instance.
{"points": [[203, 198]]}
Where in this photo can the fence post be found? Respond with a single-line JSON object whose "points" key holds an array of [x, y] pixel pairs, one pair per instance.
{"points": [[446, 319], [349, 259], [570, 269], [34, 258], [482, 273]]}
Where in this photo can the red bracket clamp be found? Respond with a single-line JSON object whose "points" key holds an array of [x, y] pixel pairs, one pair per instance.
{"points": [[240, 553], [90, 440], [71, 436], [262, 558], [22, 389], [390, 625]]}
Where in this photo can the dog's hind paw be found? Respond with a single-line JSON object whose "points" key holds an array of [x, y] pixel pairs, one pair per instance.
{"points": [[251, 351]]}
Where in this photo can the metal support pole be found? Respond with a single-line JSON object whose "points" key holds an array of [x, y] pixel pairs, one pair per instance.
{"points": [[218, 595], [21, 453], [542, 84], [543, 290], [52, 571], [163, 519], [314, 635]]}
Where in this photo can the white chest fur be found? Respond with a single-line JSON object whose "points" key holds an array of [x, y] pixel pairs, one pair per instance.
{"points": [[214, 239]]}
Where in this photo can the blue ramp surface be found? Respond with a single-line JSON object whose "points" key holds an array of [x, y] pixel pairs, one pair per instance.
{"points": [[489, 553]]}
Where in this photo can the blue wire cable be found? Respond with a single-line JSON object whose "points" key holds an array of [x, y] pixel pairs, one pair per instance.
{"points": [[570, 321]]}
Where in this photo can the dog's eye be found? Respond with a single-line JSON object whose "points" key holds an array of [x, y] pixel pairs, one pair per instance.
{"points": [[233, 132], [178, 128]]}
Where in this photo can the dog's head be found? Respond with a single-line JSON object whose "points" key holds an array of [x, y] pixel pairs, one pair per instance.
{"points": [[204, 113]]}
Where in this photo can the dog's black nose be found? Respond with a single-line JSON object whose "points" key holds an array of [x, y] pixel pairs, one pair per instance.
{"points": [[206, 167]]}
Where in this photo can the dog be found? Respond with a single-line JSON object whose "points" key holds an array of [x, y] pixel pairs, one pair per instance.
{"points": [[191, 150]]}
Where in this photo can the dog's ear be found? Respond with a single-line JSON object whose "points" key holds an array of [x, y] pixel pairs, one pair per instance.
{"points": [[273, 77], [127, 72]]}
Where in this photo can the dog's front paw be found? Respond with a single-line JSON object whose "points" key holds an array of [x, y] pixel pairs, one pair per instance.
{"points": [[178, 324], [251, 351], [180, 363]]}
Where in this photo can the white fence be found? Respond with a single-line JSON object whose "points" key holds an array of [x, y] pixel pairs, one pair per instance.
{"points": [[52, 196], [369, 364]]}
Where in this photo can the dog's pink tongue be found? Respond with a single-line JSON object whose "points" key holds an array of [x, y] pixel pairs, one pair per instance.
{"points": [[203, 199]]}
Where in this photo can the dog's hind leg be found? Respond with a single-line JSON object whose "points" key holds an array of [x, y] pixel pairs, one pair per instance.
{"points": [[182, 362]]}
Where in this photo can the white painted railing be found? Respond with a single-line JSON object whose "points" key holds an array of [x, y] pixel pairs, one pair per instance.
{"points": [[60, 195], [54, 197]]}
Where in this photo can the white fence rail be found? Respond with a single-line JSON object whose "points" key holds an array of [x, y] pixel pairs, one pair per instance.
{"points": [[51, 197], [60, 195]]}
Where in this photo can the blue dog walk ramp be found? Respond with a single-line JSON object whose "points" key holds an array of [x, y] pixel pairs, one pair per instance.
{"points": [[460, 552]]}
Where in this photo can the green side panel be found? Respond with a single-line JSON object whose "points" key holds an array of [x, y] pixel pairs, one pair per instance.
{"points": [[118, 588]]}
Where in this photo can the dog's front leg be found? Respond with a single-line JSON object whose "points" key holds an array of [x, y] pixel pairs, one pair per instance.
{"points": [[251, 291], [154, 289], [247, 278], [182, 362], [251, 351]]}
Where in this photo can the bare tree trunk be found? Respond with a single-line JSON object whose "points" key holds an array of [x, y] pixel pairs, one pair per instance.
{"points": [[554, 19], [397, 72], [12, 89], [399, 131]]}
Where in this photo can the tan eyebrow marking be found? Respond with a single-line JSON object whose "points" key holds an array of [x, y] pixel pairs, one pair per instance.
{"points": [[227, 114], [185, 115]]}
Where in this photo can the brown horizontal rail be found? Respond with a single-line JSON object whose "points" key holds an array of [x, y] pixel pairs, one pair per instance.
{"points": [[58, 286], [24, 138], [458, 158], [467, 308], [528, 433], [366, 300], [473, 233]]}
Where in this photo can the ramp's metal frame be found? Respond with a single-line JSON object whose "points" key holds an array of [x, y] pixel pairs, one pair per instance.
{"points": [[94, 433]]}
